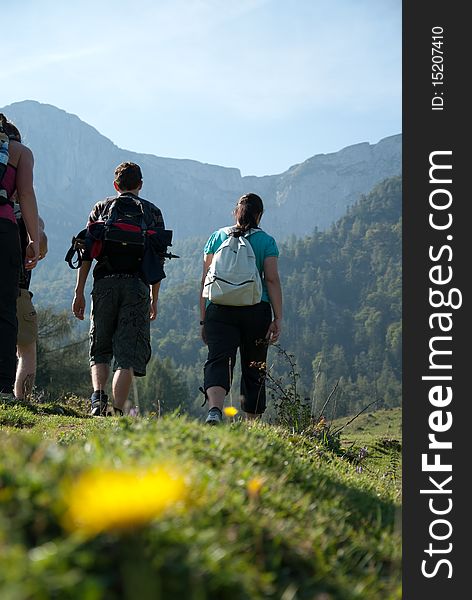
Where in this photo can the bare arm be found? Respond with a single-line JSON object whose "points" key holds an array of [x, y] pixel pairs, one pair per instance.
{"points": [[78, 303], [43, 240], [28, 205], [154, 297], [207, 258], [274, 289]]}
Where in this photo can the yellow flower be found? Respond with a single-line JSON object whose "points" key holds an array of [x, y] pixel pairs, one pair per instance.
{"points": [[230, 411], [105, 499], [254, 487]]}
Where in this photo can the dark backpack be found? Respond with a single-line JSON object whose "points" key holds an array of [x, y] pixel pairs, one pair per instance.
{"points": [[124, 243], [124, 236]]}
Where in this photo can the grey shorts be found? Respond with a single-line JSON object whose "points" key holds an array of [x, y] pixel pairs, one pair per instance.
{"points": [[120, 324]]}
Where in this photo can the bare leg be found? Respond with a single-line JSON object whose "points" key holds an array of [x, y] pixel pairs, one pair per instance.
{"points": [[216, 396], [25, 370], [100, 373], [121, 385]]}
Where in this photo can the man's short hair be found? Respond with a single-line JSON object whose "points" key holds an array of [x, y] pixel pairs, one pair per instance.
{"points": [[128, 176]]}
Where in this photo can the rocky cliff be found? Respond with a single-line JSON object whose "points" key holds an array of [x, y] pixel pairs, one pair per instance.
{"points": [[74, 167]]}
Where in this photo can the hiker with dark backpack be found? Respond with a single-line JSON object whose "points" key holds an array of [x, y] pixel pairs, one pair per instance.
{"points": [[124, 294], [240, 307], [16, 174]]}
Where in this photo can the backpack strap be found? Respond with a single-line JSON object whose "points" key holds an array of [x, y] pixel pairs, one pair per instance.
{"points": [[4, 155], [69, 258], [147, 216], [252, 231], [229, 230], [77, 247]]}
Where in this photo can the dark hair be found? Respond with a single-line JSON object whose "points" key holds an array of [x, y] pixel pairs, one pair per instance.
{"points": [[128, 176], [10, 129], [248, 208]]}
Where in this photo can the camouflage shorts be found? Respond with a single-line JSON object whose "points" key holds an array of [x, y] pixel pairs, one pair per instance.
{"points": [[27, 319], [119, 324]]}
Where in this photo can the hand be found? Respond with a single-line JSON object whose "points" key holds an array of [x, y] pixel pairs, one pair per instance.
{"points": [[43, 250], [153, 312], [78, 306], [43, 240], [274, 331], [32, 255]]}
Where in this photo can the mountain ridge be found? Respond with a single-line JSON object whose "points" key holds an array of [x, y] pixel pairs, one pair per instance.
{"points": [[75, 163]]}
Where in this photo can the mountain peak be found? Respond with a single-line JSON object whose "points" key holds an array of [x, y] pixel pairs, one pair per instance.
{"points": [[74, 167]]}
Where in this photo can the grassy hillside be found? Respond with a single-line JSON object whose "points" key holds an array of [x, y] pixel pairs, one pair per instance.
{"points": [[170, 508], [373, 425]]}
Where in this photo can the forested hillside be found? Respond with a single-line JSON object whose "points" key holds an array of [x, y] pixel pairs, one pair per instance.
{"points": [[342, 291], [342, 298]]}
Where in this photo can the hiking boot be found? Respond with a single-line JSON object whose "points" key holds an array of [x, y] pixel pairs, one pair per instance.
{"points": [[99, 404], [214, 417], [117, 412]]}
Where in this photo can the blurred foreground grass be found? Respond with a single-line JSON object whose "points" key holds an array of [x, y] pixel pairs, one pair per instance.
{"points": [[256, 512]]}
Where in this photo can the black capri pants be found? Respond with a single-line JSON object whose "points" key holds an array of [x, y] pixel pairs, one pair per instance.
{"points": [[226, 329], [10, 264]]}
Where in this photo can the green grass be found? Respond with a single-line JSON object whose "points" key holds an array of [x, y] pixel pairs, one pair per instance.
{"points": [[319, 529], [373, 425], [379, 433]]}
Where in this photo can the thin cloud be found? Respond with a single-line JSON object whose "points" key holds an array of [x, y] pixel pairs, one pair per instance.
{"points": [[36, 63], [289, 73]]}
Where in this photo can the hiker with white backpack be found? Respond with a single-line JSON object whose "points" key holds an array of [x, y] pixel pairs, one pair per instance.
{"points": [[240, 307]]}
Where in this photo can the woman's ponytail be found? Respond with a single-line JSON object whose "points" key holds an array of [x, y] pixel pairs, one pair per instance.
{"points": [[246, 213]]}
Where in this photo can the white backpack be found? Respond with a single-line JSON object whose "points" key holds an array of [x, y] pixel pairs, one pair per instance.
{"points": [[233, 278]]}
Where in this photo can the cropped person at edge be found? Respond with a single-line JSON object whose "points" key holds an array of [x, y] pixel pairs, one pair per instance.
{"points": [[18, 177]]}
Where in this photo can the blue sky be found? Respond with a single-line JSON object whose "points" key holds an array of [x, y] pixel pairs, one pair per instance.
{"points": [[255, 84]]}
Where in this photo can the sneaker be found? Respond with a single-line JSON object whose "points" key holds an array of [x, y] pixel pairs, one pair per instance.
{"points": [[214, 417], [99, 405], [117, 412]]}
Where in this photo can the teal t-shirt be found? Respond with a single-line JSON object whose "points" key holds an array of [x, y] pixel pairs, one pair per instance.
{"points": [[262, 243]]}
